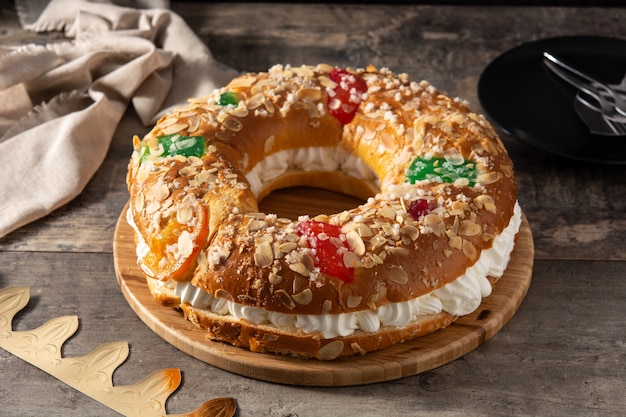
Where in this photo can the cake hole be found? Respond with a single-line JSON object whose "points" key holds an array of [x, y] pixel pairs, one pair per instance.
{"points": [[292, 202]]}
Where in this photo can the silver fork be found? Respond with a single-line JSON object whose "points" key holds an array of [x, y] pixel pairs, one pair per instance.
{"points": [[615, 94], [605, 113], [596, 118]]}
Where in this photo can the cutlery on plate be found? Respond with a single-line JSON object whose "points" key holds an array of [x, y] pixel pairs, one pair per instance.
{"points": [[596, 122], [614, 93], [601, 106]]}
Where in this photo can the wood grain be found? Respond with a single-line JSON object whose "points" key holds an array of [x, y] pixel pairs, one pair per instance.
{"points": [[410, 358]]}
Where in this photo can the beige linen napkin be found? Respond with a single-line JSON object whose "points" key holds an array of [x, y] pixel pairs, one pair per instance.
{"points": [[60, 103]]}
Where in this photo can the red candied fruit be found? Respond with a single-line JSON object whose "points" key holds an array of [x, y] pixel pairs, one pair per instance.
{"points": [[329, 252], [347, 95], [419, 208]]}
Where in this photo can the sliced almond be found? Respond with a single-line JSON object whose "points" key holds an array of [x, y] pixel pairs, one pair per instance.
{"points": [[351, 260], [357, 348], [435, 223], [398, 251], [184, 215], [458, 208], [175, 128], [398, 275], [221, 293], [323, 67], [308, 261], [153, 207], [355, 243], [371, 301], [453, 156], [268, 145], [313, 94], [194, 123], [388, 212], [269, 106], [243, 81], [274, 278], [185, 245], [327, 82], [304, 297], [456, 242], [263, 255], [485, 201], [353, 301], [410, 231], [303, 71], [239, 111], [330, 350], [364, 230], [287, 247], [299, 284], [469, 228], [377, 259], [487, 178], [469, 250], [188, 171], [160, 191], [299, 268], [256, 225]]}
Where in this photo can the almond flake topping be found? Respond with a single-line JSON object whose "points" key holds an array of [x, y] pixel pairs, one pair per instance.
{"points": [[304, 297], [469, 228], [469, 250], [221, 293], [185, 245], [353, 301], [410, 231], [331, 350], [263, 256], [435, 223], [355, 243], [398, 275], [351, 260], [300, 269], [184, 215], [160, 191], [485, 201]]}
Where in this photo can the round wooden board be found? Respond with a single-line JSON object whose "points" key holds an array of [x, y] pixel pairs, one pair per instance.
{"points": [[405, 359]]}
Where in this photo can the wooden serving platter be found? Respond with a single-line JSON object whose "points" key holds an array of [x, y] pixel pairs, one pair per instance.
{"points": [[409, 358]]}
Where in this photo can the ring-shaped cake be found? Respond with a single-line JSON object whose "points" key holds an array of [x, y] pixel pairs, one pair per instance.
{"points": [[435, 232]]}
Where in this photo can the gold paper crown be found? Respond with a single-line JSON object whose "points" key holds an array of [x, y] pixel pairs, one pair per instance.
{"points": [[92, 374]]}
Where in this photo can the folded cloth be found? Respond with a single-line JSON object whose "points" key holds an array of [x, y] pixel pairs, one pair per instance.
{"points": [[60, 103]]}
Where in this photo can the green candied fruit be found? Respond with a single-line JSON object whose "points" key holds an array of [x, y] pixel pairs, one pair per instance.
{"points": [[171, 145], [441, 170], [228, 98]]}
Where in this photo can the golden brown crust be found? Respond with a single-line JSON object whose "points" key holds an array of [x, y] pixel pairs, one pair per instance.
{"points": [[199, 217], [399, 278]]}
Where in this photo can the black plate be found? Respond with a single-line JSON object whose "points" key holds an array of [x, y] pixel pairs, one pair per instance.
{"points": [[522, 97]]}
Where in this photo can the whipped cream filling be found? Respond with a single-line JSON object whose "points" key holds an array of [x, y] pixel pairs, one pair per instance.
{"points": [[320, 158], [459, 298]]}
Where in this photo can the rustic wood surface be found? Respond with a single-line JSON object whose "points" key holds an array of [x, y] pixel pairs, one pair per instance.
{"points": [[562, 354]]}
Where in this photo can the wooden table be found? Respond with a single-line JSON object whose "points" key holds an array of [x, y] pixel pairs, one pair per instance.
{"points": [[562, 354]]}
